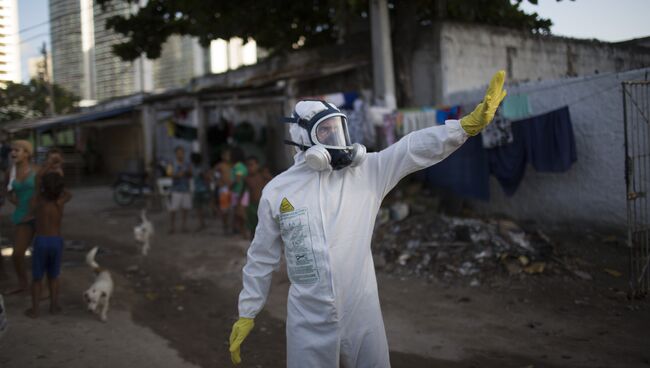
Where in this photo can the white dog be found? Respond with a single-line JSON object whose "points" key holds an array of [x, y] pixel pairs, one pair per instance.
{"points": [[144, 232], [99, 293]]}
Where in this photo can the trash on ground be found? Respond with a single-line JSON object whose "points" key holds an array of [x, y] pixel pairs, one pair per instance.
{"points": [[409, 240]]}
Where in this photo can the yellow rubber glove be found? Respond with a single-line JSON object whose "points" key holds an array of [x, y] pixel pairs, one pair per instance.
{"points": [[484, 112], [240, 330]]}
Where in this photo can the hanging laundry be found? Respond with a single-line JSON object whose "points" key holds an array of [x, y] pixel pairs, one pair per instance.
{"points": [[550, 141], [389, 129], [416, 119], [516, 107], [356, 122], [185, 132], [349, 98], [508, 162], [545, 141], [498, 132], [465, 172], [448, 113], [171, 128]]}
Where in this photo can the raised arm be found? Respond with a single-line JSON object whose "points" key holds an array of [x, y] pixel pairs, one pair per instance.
{"points": [[415, 151], [426, 147]]}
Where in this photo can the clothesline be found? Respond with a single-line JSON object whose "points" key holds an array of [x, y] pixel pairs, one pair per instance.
{"points": [[545, 141]]}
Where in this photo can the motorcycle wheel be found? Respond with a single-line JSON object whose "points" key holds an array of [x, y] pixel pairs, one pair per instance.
{"points": [[122, 194]]}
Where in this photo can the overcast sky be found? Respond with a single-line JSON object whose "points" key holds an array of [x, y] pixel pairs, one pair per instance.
{"points": [[606, 20]]}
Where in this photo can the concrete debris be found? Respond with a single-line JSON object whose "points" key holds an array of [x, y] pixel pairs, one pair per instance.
{"points": [[472, 250], [382, 217], [536, 267], [612, 272], [583, 275], [132, 269], [399, 211]]}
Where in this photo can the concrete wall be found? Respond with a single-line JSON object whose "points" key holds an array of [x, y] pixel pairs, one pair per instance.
{"points": [[456, 57], [593, 190]]}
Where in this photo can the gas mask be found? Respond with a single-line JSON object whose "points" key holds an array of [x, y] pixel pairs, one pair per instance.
{"points": [[326, 143]]}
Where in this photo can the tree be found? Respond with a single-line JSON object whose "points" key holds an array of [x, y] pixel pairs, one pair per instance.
{"points": [[283, 25], [27, 101]]}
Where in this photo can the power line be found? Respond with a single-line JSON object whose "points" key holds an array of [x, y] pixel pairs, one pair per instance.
{"points": [[46, 22], [75, 11], [32, 27], [33, 38]]}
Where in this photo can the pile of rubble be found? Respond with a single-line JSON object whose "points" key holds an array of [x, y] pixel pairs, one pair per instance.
{"points": [[474, 249]]}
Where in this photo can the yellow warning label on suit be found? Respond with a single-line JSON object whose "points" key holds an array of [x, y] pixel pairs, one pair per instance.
{"points": [[286, 206]]}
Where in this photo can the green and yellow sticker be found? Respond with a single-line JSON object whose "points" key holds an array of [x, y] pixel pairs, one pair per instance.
{"points": [[286, 206]]}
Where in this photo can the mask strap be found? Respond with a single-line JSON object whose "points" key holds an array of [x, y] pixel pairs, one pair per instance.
{"points": [[288, 120], [301, 146], [295, 120]]}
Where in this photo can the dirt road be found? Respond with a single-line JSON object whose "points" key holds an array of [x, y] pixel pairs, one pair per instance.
{"points": [[175, 308]]}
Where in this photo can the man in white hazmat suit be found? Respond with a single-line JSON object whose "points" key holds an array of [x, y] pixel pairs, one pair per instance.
{"points": [[323, 210]]}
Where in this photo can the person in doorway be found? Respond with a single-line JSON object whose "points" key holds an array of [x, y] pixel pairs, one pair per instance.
{"points": [[323, 210], [257, 178], [48, 244], [181, 200], [21, 188], [201, 194], [239, 201], [223, 172]]}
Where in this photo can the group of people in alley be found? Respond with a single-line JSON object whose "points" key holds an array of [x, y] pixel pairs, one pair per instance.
{"points": [[230, 190]]}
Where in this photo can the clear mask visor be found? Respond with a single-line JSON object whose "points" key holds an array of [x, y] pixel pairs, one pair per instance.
{"points": [[331, 132]]}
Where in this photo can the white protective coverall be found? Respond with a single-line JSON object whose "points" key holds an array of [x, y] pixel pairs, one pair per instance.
{"points": [[325, 221]]}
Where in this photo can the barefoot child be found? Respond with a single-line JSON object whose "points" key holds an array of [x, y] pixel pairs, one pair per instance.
{"points": [[48, 244]]}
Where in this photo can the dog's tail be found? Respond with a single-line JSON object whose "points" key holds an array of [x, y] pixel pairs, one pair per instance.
{"points": [[143, 215], [90, 259]]}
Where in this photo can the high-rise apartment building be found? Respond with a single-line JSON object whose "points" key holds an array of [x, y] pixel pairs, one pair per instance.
{"points": [[181, 59], [9, 42], [83, 62], [66, 46], [113, 77]]}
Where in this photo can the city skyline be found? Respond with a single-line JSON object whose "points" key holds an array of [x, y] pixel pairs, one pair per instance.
{"points": [[593, 19]]}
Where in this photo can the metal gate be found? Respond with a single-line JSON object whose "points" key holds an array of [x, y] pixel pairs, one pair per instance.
{"points": [[636, 115]]}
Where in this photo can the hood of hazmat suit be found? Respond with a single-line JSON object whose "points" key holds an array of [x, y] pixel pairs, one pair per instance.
{"points": [[320, 129]]}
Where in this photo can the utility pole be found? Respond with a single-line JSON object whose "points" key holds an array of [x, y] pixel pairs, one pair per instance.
{"points": [[382, 55], [46, 79]]}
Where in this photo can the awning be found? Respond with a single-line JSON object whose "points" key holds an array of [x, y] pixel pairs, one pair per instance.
{"points": [[57, 121]]}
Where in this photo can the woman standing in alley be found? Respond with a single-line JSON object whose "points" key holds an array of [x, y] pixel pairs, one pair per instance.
{"points": [[21, 189]]}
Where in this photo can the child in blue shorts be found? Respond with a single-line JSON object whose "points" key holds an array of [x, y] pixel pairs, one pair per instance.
{"points": [[48, 243]]}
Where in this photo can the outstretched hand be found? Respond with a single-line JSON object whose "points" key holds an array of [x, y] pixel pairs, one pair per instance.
{"points": [[484, 112]]}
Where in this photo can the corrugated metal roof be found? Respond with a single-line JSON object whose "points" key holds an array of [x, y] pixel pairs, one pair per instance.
{"points": [[78, 118]]}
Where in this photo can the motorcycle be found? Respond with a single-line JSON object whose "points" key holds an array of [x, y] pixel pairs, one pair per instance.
{"points": [[130, 186]]}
